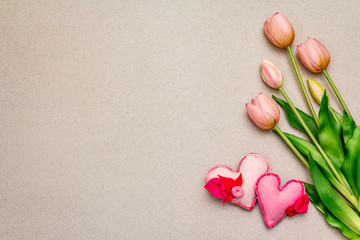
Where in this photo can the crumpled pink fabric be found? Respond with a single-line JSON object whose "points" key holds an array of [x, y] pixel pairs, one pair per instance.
{"points": [[301, 204], [216, 188]]}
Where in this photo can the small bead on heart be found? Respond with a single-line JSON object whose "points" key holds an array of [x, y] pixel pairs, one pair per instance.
{"points": [[237, 191]]}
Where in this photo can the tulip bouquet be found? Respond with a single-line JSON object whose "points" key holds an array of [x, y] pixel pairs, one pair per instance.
{"points": [[332, 150]]}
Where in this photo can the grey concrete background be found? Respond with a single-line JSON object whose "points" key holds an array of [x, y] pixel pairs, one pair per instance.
{"points": [[112, 112]]}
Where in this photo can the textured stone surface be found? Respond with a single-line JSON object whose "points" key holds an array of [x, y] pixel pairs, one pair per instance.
{"points": [[112, 112]]}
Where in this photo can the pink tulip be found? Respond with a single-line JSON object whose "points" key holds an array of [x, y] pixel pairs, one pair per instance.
{"points": [[263, 111], [271, 75], [313, 55], [279, 30]]}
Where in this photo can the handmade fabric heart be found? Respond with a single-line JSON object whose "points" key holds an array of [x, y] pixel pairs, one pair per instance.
{"points": [[276, 203], [237, 187]]}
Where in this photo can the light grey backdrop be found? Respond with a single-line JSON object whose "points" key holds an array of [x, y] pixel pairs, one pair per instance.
{"points": [[112, 112]]}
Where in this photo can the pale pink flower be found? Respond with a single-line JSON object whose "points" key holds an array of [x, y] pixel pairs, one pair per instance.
{"points": [[279, 30], [263, 111], [313, 55], [271, 75]]}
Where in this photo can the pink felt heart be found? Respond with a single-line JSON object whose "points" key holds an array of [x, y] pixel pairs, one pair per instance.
{"points": [[251, 167], [273, 201]]}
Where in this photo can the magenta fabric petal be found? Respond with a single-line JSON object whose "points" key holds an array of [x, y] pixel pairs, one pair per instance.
{"points": [[301, 204], [216, 188]]}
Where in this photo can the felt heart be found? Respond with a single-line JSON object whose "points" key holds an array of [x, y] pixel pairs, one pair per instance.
{"points": [[275, 202], [237, 187]]}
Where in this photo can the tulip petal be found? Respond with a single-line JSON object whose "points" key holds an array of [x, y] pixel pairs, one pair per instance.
{"points": [[263, 111], [269, 106], [257, 116], [279, 30], [317, 91], [306, 61], [267, 29], [325, 56], [271, 75], [314, 55]]}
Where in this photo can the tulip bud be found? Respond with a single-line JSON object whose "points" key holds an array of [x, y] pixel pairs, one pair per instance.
{"points": [[279, 30], [313, 55], [263, 111], [317, 91], [271, 75]]}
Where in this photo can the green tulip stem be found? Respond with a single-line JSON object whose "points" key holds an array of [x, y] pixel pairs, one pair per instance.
{"points": [[303, 89], [336, 91], [313, 139], [335, 116], [345, 192], [292, 146]]}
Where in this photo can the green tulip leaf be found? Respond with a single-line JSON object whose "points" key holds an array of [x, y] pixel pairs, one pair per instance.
{"points": [[338, 116], [336, 205], [330, 137], [293, 119], [350, 166], [315, 199], [307, 148], [348, 127]]}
